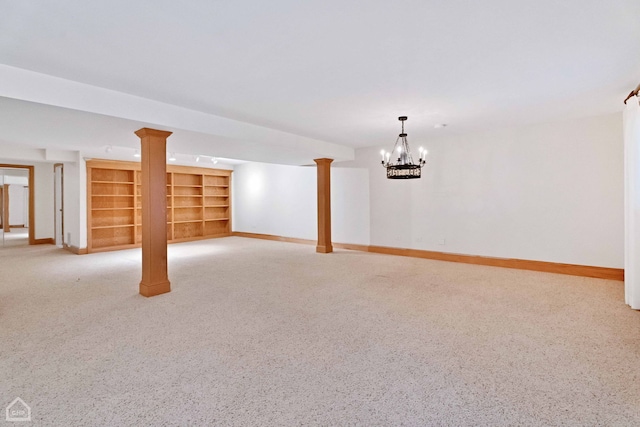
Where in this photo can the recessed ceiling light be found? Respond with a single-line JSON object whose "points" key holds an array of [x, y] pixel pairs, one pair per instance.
{"points": [[137, 153], [172, 157]]}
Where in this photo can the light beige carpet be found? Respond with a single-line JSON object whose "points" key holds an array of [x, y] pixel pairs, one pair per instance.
{"points": [[268, 333]]}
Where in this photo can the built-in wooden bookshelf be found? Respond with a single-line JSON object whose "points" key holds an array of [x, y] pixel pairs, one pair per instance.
{"points": [[198, 204]]}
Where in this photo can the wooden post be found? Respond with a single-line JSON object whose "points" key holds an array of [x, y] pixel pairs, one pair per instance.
{"points": [[155, 280], [324, 205]]}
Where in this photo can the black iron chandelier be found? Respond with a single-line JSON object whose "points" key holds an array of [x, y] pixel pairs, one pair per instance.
{"points": [[404, 167]]}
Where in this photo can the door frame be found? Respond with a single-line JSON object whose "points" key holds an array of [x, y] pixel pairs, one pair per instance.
{"points": [[32, 198]]}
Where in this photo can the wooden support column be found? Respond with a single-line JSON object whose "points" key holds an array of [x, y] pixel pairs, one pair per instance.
{"points": [[155, 280], [324, 205]]}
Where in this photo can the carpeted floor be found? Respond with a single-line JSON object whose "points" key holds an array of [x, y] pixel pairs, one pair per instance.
{"points": [[260, 333]]}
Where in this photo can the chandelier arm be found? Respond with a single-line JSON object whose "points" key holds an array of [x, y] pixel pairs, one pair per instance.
{"points": [[392, 151]]}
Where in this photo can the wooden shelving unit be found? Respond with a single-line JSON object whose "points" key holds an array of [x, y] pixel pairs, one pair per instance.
{"points": [[198, 204]]}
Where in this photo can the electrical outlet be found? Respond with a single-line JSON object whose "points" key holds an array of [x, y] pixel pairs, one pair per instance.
{"points": [[442, 242]]}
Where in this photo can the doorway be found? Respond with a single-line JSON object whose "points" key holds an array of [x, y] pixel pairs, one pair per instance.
{"points": [[16, 205]]}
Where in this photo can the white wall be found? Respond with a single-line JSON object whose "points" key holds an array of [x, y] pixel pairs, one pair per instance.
{"points": [[25, 208], [275, 199], [16, 204], [75, 203], [550, 192], [349, 205], [43, 209], [18, 180], [281, 200]]}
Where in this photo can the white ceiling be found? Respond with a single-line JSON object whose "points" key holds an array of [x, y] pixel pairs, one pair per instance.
{"points": [[299, 79]]}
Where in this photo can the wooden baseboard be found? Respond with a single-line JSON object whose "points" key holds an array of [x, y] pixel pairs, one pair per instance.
{"points": [[75, 250], [48, 241], [272, 237], [521, 264], [351, 247]]}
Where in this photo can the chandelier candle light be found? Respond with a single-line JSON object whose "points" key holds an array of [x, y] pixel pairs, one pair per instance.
{"points": [[403, 168]]}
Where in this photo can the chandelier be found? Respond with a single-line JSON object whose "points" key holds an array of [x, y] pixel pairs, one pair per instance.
{"points": [[404, 167]]}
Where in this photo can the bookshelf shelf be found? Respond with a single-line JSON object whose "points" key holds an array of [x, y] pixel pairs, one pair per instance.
{"points": [[198, 204]]}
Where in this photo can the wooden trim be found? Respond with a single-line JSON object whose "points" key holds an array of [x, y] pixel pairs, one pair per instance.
{"points": [[32, 198], [633, 93], [113, 164], [351, 247], [521, 264], [324, 205], [47, 241], [32, 206], [136, 166], [16, 225], [229, 204], [89, 164], [193, 239], [197, 170], [272, 237]]}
